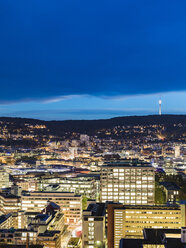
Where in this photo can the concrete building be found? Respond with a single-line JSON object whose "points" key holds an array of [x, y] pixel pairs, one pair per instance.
{"points": [[128, 182], [93, 226]]}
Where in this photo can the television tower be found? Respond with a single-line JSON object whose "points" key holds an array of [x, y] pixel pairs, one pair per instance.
{"points": [[160, 102]]}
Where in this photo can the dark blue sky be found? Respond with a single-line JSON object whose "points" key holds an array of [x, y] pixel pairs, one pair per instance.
{"points": [[50, 49]]}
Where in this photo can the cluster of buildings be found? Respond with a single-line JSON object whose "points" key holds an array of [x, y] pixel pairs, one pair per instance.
{"points": [[86, 191]]}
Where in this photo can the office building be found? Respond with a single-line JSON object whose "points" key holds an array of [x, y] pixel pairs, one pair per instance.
{"points": [[128, 182], [157, 238], [129, 221], [86, 186]]}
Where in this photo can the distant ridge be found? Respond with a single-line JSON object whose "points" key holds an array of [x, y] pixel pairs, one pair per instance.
{"points": [[90, 126]]}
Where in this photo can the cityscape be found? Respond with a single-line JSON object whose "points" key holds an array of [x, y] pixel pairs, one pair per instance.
{"points": [[92, 124], [118, 186]]}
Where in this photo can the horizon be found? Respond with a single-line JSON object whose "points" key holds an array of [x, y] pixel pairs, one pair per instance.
{"points": [[115, 117], [89, 107]]}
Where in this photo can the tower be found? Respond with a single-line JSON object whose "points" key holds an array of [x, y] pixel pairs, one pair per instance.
{"points": [[160, 102]]}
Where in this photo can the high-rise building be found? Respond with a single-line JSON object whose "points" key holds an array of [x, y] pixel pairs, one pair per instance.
{"points": [[128, 182]]}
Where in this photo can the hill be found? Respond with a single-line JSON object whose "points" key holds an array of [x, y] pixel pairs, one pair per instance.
{"points": [[171, 123]]}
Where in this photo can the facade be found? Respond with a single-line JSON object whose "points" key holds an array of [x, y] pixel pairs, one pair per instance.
{"points": [[50, 239], [79, 185], [4, 179], [51, 219], [157, 238], [17, 236], [70, 204], [129, 221], [128, 182], [93, 226], [6, 221], [28, 184], [9, 203]]}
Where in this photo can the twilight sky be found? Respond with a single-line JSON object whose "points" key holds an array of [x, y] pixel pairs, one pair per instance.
{"points": [[70, 59]]}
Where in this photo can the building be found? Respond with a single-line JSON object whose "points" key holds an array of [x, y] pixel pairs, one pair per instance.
{"points": [[9, 203], [45, 228], [17, 236], [129, 221], [177, 151], [6, 221], [43, 222], [171, 190], [157, 238], [128, 182], [86, 186], [70, 204], [50, 239], [4, 179], [93, 226], [28, 184]]}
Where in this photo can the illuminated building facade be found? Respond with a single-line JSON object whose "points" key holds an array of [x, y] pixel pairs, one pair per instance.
{"points": [[4, 179], [93, 225], [70, 204], [128, 182], [130, 221], [87, 186]]}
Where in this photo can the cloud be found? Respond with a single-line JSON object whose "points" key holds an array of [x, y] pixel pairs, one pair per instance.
{"points": [[53, 50], [60, 98]]}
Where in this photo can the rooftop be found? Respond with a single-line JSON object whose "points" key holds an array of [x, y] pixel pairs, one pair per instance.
{"points": [[127, 163], [97, 209]]}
